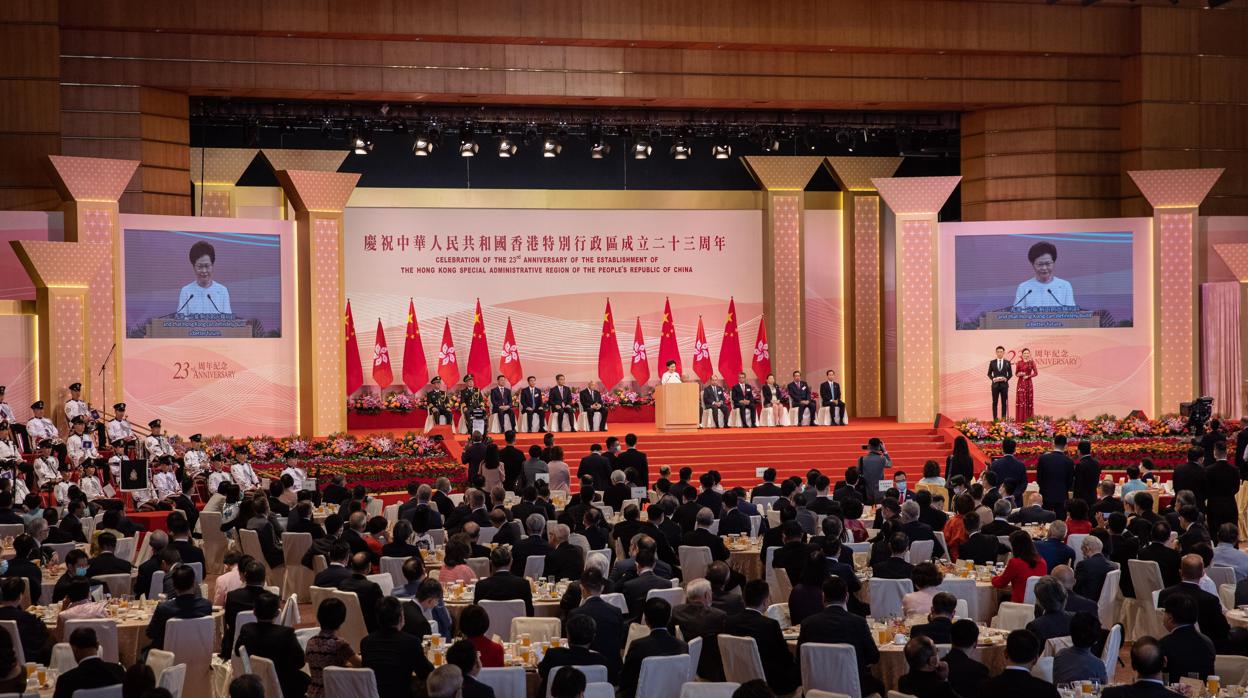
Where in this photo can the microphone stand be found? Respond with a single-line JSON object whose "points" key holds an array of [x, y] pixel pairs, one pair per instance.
{"points": [[104, 384]]}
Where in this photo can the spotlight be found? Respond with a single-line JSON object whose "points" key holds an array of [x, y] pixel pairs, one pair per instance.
{"points": [[681, 150], [551, 147], [723, 151], [599, 150], [506, 147], [424, 143], [361, 143], [642, 149], [771, 143], [467, 142]]}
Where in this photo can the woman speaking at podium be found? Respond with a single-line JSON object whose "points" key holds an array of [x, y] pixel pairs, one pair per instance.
{"points": [[1045, 289], [1024, 371], [203, 296]]}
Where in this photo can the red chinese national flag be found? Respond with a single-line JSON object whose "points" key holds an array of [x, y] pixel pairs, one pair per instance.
{"points": [[730, 349], [415, 367], [702, 355], [479, 351], [383, 373], [762, 354], [668, 351], [610, 365], [641, 364], [509, 360], [448, 364], [355, 368]]}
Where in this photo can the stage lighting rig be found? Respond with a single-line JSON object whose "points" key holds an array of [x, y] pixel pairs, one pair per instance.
{"points": [[467, 141]]}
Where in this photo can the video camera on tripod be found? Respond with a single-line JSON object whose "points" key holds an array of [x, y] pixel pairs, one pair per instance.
{"points": [[1198, 412]]}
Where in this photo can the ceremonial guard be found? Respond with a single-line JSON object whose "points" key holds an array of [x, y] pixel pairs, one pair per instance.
{"points": [[10, 459], [218, 473], [6, 411], [195, 460], [593, 406], [436, 403], [799, 397], [241, 470], [75, 406], [713, 400], [164, 481], [119, 428], [743, 400], [39, 428], [472, 405], [81, 445], [500, 404], [114, 463], [157, 444], [294, 470], [47, 473], [830, 397], [90, 484], [531, 404], [561, 405]]}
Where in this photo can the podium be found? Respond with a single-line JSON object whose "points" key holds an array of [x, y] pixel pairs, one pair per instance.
{"points": [[676, 407], [184, 326]]}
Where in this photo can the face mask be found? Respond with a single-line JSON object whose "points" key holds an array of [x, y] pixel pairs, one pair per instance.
{"points": [[4, 566], [80, 571], [901, 486]]}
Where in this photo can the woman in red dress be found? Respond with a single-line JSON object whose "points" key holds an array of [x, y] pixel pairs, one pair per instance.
{"points": [[1025, 370]]}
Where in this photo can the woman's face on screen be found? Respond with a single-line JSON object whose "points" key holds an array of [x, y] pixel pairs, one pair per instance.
{"points": [[203, 271], [1043, 267]]}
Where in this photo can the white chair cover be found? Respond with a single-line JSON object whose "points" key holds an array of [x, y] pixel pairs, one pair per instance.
{"points": [[830, 667], [250, 541], [594, 673], [241, 619], [921, 551], [599, 689], [1146, 578], [62, 658], [1075, 541], [298, 578], [501, 614], [674, 596], [779, 612], [964, 590], [12, 530], [764, 502], [1043, 669], [486, 536], [438, 536], [1232, 669], [1054, 645], [538, 629], [617, 599], [383, 580], [1029, 594], [391, 514], [694, 560], [353, 631], [305, 634], [317, 595], [173, 679], [534, 566], [708, 689], [740, 657], [507, 682], [756, 523], [962, 610], [60, 550], [663, 676], [1013, 616], [341, 682], [393, 566], [106, 692], [158, 660], [944, 547], [480, 566], [125, 548], [1109, 601], [695, 656], [635, 631], [1113, 644], [157, 586], [886, 596], [10, 627], [118, 584], [289, 615], [215, 542], [105, 632], [190, 640], [1226, 593], [1220, 574], [783, 587]]}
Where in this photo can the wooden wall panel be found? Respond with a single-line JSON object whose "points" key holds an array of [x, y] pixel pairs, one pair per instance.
{"points": [[29, 93]]}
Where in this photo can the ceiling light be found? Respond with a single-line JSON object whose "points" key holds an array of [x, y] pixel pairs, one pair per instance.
{"points": [[425, 141], [599, 150], [771, 143], [506, 147], [361, 144], [642, 149], [681, 150], [467, 142], [551, 147], [722, 151]]}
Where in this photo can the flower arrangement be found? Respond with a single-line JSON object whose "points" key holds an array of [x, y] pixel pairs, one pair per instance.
{"points": [[628, 397], [1101, 426]]}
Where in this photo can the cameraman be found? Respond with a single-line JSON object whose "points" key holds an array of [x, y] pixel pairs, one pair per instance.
{"points": [[871, 467]]}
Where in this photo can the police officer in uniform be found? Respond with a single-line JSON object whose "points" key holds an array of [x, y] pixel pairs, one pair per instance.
{"points": [[743, 400], [75, 406], [531, 402], [39, 427], [47, 471], [435, 401], [10, 455], [500, 404], [218, 473], [830, 396], [473, 405], [561, 405], [591, 405], [241, 471], [119, 428], [157, 444], [799, 397], [195, 460], [6, 412], [80, 445], [713, 400]]}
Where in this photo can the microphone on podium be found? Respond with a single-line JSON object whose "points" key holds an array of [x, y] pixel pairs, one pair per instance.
{"points": [[1022, 298]]}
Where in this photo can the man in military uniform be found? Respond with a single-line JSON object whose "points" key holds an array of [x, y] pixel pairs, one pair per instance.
{"points": [[435, 400], [89, 483], [119, 428], [75, 406], [39, 427], [47, 471], [241, 471], [799, 397], [713, 400], [472, 403], [195, 460], [157, 444], [593, 407], [561, 406], [81, 445], [6, 412], [531, 403], [830, 397], [743, 400], [500, 404], [218, 473], [9, 452]]}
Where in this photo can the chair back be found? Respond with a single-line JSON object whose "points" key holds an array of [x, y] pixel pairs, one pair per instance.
{"points": [[962, 610], [393, 566], [118, 585], [784, 586], [763, 502], [173, 679], [501, 614], [298, 578], [599, 689], [1043, 669], [105, 632], [374, 507], [921, 551], [1113, 645], [157, 587], [106, 692], [1146, 578], [383, 580], [341, 682], [10, 627], [1075, 541], [617, 599], [190, 640], [694, 559], [663, 676], [1220, 574], [708, 689], [215, 542], [125, 549], [964, 590], [1107, 602], [1226, 594], [12, 530], [830, 667], [675, 596], [1013, 616], [480, 566], [1054, 645], [60, 550], [353, 631], [267, 672], [886, 596], [289, 615], [769, 570], [438, 536], [159, 660], [779, 612], [487, 535], [1232, 669], [535, 566], [391, 513], [1029, 593], [241, 619], [594, 673], [740, 658], [317, 595], [538, 629], [507, 682], [636, 631], [695, 656], [756, 523], [944, 547]]}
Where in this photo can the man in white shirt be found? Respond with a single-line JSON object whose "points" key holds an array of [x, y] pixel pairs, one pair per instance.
{"points": [[40, 427], [195, 460], [9, 452], [671, 375], [219, 474], [119, 428], [296, 473], [1045, 290], [47, 472], [6, 412], [114, 464], [89, 483], [241, 470], [164, 481], [75, 406], [157, 444], [80, 444]]}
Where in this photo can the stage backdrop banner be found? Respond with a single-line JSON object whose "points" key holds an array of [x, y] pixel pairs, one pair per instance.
{"points": [[227, 380], [1083, 371], [551, 271], [825, 310], [15, 283]]}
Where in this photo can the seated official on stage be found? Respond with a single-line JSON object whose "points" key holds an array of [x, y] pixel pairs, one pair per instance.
{"points": [[562, 406], [118, 428], [592, 406], [80, 445], [800, 399], [830, 396], [75, 406], [157, 444], [436, 403], [743, 399], [241, 471], [6, 410], [714, 401], [532, 406], [472, 407], [39, 427], [500, 405], [195, 459]]}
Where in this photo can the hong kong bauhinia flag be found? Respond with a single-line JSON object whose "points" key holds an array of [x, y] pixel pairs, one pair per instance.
{"points": [[730, 348], [355, 368], [509, 360], [479, 351], [762, 353], [668, 351], [383, 372], [702, 355], [641, 364], [610, 365], [415, 367], [448, 363]]}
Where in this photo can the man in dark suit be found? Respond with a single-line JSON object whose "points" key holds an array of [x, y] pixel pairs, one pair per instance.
{"points": [[92, 671], [733, 521], [659, 643], [335, 492], [243, 599], [463, 656], [637, 587], [1123, 547], [1000, 371], [701, 536], [895, 566], [535, 544], [592, 406], [186, 604], [1208, 607], [1149, 663], [1007, 467], [715, 402], [562, 406], [1087, 474], [1222, 486], [980, 547], [1075, 603], [1055, 474], [696, 617], [180, 539], [473, 455], [368, 591], [966, 675], [1021, 650], [1052, 619], [565, 561], [502, 585], [1191, 475], [792, 555], [800, 399], [835, 624], [1158, 550], [595, 466], [939, 625], [768, 488], [608, 620], [927, 676], [579, 652], [532, 403], [1000, 525], [830, 396], [393, 655], [1187, 650], [778, 665], [1091, 571], [916, 530], [337, 571], [1108, 503], [512, 459], [277, 643], [632, 458], [708, 498], [500, 404], [743, 399], [106, 562]]}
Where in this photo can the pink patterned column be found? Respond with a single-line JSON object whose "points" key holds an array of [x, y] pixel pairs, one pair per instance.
{"points": [[864, 278], [784, 303], [1175, 196], [90, 189], [319, 199], [916, 201], [214, 172]]}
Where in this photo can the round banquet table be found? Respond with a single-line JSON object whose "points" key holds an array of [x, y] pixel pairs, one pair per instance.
{"points": [[131, 629], [546, 608], [746, 561], [1237, 618], [987, 598]]}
